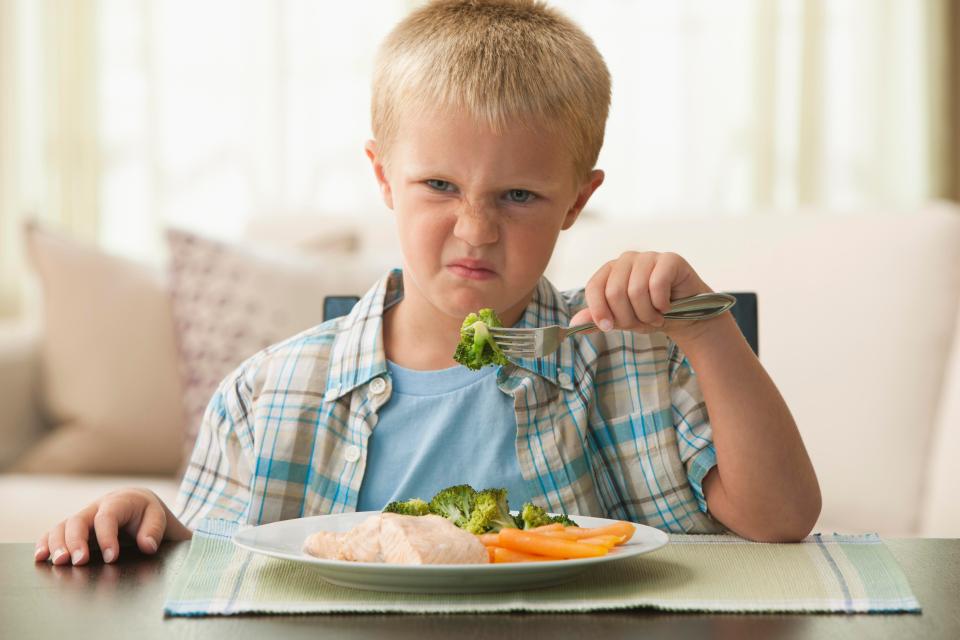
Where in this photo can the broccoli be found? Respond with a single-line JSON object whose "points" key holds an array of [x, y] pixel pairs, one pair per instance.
{"points": [[477, 512], [412, 507], [477, 347], [491, 512], [564, 520], [531, 516], [455, 503]]}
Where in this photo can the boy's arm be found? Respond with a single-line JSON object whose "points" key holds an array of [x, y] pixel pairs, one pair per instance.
{"points": [[216, 482], [764, 486]]}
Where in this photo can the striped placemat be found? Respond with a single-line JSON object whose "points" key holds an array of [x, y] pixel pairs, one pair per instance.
{"points": [[824, 573]]}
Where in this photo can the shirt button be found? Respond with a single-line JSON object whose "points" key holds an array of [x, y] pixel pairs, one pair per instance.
{"points": [[351, 453], [564, 378], [332, 393], [378, 385]]}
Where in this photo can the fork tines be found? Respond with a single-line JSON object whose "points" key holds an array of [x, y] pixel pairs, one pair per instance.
{"points": [[518, 343]]}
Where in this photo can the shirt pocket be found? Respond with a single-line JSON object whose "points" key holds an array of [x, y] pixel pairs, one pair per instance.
{"points": [[648, 482], [618, 398]]}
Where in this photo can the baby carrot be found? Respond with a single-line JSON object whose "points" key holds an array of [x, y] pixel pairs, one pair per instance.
{"points": [[545, 546], [619, 528], [491, 553], [502, 554], [489, 538], [553, 526], [552, 533], [607, 541]]}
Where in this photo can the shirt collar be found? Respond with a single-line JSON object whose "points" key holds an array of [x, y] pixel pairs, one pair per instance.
{"points": [[549, 307], [357, 354]]}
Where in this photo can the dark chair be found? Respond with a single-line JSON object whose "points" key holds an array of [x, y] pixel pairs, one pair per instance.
{"points": [[336, 306], [744, 312]]}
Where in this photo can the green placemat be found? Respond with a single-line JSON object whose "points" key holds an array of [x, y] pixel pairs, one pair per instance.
{"points": [[833, 573]]}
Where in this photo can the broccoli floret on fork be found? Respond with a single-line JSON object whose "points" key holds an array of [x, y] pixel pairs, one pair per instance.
{"points": [[477, 348]]}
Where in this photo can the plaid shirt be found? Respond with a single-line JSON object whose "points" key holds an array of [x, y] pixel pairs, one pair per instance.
{"points": [[611, 424]]}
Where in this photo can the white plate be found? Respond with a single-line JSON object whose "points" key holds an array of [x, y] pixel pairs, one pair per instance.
{"points": [[285, 540]]}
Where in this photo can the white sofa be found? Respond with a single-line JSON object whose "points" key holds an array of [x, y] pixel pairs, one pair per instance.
{"points": [[859, 327]]}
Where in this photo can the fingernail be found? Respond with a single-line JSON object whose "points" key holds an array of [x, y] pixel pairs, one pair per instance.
{"points": [[151, 544], [59, 553], [108, 554], [77, 556], [605, 325], [37, 552]]}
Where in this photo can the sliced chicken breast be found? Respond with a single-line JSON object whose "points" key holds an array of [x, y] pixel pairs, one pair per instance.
{"points": [[428, 540], [393, 538], [362, 543], [324, 544]]}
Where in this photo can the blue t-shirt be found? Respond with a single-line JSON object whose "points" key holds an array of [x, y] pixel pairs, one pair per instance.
{"points": [[441, 428]]}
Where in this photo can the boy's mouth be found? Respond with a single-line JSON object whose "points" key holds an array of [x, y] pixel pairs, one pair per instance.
{"points": [[472, 269]]}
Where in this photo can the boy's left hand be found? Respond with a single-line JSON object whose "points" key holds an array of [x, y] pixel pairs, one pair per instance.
{"points": [[634, 291]]}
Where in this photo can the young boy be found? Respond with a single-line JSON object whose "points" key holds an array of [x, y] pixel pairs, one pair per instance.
{"points": [[488, 117]]}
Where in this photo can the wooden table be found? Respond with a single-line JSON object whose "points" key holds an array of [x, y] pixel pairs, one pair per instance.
{"points": [[126, 601]]}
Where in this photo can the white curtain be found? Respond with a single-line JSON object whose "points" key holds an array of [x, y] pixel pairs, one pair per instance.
{"points": [[49, 139], [120, 116], [740, 105]]}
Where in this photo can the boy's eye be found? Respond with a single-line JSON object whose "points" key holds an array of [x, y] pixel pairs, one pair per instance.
{"points": [[440, 185], [520, 196]]}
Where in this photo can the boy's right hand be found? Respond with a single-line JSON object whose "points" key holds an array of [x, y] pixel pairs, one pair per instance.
{"points": [[137, 512]]}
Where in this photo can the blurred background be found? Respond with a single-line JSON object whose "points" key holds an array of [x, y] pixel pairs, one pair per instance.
{"points": [[121, 116], [765, 121]]}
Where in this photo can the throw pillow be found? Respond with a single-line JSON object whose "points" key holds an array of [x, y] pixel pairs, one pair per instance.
{"points": [[229, 302], [109, 370]]}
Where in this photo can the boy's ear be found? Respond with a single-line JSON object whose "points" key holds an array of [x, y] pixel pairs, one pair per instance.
{"points": [[594, 180], [370, 148]]}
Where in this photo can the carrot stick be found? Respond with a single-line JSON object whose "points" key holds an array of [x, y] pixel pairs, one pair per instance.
{"points": [[489, 539], [545, 546], [619, 528], [491, 553], [502, 554]]}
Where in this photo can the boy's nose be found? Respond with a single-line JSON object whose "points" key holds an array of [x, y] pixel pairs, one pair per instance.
{"points": [[476, 226]]}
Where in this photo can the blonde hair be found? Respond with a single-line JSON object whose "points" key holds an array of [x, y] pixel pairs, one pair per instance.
{"points": [[503, 61]]}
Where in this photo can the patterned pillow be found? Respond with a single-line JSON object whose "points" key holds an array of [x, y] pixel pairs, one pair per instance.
{"points": [[229, 302]]}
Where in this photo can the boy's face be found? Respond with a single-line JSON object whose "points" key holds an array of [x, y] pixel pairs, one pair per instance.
{"points": [[478, 213]]}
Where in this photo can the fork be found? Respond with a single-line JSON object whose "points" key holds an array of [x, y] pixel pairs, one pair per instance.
{"points": [[542, 341]]}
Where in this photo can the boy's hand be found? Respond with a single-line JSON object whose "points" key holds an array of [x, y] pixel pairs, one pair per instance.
{"points": [[137, 512], [634, 291]]}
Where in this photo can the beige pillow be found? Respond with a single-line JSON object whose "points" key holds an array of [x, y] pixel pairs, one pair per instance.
{"points": [[230, 302], [109, 369]]}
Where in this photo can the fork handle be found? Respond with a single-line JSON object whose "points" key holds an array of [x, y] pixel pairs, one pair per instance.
{"points": [[702, 306]]}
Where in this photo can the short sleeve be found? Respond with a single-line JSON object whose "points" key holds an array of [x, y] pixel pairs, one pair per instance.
{"points": [[216, 483], [690, 419]]}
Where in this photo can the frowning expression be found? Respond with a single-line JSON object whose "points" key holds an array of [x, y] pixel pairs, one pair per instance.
{"points": [[478, 212]]}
